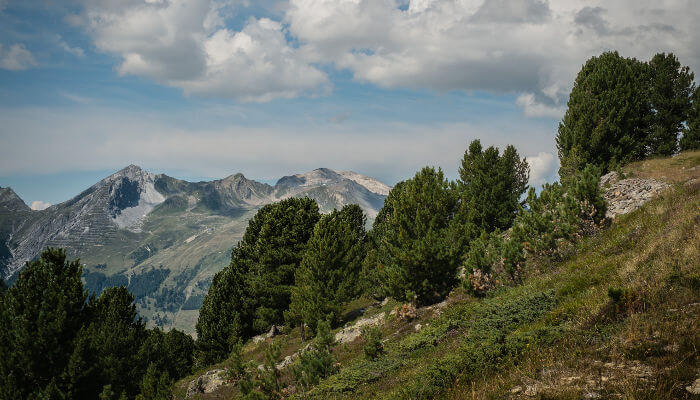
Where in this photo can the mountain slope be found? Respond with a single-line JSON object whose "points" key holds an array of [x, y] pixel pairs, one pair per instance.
{"points": [[616, 318], [163, 237]]}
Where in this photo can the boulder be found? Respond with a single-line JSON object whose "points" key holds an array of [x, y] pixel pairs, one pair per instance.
{"points": [[626, 195], [209, 382], [349, 334]]}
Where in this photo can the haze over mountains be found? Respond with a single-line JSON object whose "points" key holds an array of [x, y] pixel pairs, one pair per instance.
{"points": [[162, 237]]}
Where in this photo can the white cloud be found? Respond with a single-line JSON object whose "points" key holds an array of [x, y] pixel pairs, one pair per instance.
{"points": [[533, 108], [39, 205], [533, 48], [543, 168], [183, 43], [76, 51], [16, 58]]}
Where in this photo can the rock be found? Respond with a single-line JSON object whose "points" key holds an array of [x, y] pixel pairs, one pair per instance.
{"points": [[349, 334], [530, 390], [287, 360], [209, 382], [626, 195], [609, 178], [516, 390], [384, 302], [694, 388], [259, 338], [274, 331]]}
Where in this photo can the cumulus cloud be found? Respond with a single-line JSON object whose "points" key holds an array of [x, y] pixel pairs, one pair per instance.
{"points": [[76, 51], [543, 168], [184, 43], [39, 205], [16, 58], [529, 48]]}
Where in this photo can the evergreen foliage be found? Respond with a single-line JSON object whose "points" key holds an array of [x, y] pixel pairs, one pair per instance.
{"points": [[490, 186], [621, 109], [607, 116], [43, 312], [670, 91], [328, 275], [317, 362], [373, 347], [691, 133], [421, 252], [254, 291], [58, 343]]}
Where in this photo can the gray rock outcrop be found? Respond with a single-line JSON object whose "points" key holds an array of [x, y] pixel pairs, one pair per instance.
{"points": [[626, 195]]}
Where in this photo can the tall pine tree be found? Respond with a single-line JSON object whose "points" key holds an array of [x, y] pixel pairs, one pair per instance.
{"points": [[329, 271], [691, 133], [670, 91], [421, 254], [490, 186]]}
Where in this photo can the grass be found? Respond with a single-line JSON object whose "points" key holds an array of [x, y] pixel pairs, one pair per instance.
{"points": [[618, 318]]}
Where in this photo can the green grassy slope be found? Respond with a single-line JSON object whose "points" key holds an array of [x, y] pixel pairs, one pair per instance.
{"points": [[618, 318]]}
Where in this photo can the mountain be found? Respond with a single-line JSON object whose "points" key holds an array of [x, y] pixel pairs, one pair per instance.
{"points": [[162, 237]]}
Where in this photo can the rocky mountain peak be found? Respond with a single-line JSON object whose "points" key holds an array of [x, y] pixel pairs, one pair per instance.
{"points": [[11, 202]]}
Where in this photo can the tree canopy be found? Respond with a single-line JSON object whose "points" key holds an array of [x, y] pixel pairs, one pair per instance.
{"points": [[421, 253], [490, 186], [329, 271], [253, 292]]}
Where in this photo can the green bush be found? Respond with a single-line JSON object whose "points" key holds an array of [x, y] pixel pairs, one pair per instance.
{"points": [[373, 347], [318, 362]]}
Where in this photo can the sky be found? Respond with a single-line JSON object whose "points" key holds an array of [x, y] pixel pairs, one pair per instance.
{"points": [[202, 89]]}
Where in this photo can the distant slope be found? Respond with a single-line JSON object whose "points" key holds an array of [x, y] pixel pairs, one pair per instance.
{"points": [[163, 237]]}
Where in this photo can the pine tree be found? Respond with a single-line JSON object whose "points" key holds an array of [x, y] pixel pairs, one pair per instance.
{"points": [[45, 307], [607, 117], [318, 361], [252, 293], [155, 385], [116, 333], [422, 256], [670, 91], [691, 133], [490, 186], [329, 271]]}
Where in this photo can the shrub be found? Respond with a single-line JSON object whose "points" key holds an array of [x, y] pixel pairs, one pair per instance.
{"points": [[373, 347], [317, 362]]}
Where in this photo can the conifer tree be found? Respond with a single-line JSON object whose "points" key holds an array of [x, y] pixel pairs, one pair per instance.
{"points": [[490, 186], [608, 114], [422, 256], [691, 133], [44, 309], [670, 91], [252, 293], [329, 271]]}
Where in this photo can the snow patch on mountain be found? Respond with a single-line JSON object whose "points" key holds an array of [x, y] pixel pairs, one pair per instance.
{"points": [[132, 218]]}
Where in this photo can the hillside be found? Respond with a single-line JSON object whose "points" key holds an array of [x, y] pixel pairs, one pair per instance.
{"points": [[617, 317], [162, 237]]}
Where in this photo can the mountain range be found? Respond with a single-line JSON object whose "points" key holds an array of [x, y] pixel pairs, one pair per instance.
{"points": [[162, 237]]}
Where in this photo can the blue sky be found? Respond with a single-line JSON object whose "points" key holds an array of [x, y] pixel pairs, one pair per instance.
{"points": [[202, 89]]}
